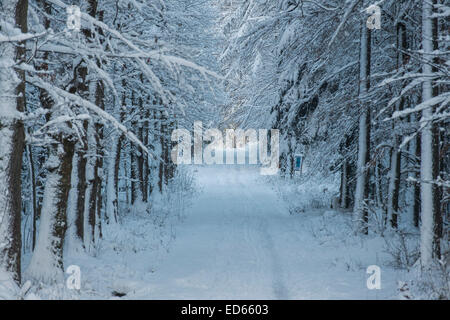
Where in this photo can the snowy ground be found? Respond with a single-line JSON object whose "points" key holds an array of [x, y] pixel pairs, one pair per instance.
{"points": [[236, 241]]}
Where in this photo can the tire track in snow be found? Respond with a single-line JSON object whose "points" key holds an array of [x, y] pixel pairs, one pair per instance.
{"points": [[267, 247], [225, 247]]}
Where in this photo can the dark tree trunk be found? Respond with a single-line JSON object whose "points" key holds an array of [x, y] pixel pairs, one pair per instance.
{"points": [[394, 182], [13, 136], [145, 165], [34, 196], [416, 204], [47, 261]]}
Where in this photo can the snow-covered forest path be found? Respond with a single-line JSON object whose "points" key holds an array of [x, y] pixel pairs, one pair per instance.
{"points": [[226, 246], [239, 241]]}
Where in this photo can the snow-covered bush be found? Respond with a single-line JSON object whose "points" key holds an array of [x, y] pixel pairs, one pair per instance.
{"points": [[180, 190], [403, 247], [9, 290], [433, 283], [303, 194], [150, 225]]}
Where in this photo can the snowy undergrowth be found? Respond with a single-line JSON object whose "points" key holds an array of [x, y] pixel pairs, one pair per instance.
{"points": [[395, 252], [130, 251], [304, 194], [9, 290], [433, 283]]}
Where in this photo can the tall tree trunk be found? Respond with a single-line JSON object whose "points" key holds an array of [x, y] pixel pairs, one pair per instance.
{"points": [[394, 175], [47, 261], [437, 161], [414, 188], [141, 155], [113, 180], [145, 166], [12, 101], [92, 206], [417, 192], [81, 191], [90, 198], [99, 200], [362, 181], [133, 173], [74, 233], [100, 155], [100, 101], [429, 169], [33, 194], [347, 175], [77, 195], [162, 146], [342, 187], [140, 165], [378, 186], [112, 185]]}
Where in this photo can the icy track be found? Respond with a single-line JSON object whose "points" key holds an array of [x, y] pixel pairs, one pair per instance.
{"points": [[239, 241]]}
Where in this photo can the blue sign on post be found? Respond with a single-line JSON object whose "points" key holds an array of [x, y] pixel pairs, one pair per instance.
{"points": [[298, 162]]}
